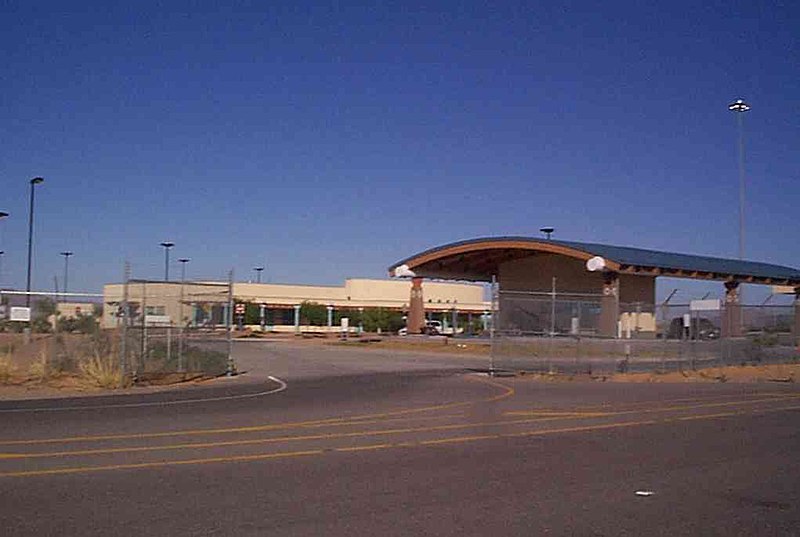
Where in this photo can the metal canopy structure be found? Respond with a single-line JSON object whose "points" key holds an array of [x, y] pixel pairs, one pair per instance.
{"points": [[479, 259]]}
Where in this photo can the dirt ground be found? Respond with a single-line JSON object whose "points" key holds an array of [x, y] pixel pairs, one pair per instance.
{"points": [[739, 374], [22, 386]]}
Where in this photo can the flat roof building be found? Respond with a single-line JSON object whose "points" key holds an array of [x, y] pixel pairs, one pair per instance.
{"points": [[199, 303]]}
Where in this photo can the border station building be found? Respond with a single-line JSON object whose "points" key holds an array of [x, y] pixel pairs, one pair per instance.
{"points": [[612, 276]]}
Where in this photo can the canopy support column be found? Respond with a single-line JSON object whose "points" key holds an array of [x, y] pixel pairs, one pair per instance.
{"points": [[416, 309], [609, 305], [732, 314]]}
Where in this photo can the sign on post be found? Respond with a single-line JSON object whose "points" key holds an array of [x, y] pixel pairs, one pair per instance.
{"points": [[20, 313]]}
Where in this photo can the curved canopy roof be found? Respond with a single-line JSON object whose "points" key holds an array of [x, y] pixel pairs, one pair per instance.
{"points": [[478, 259]]}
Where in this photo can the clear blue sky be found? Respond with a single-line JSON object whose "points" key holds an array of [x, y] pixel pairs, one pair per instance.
{"points": [[328, 141]]}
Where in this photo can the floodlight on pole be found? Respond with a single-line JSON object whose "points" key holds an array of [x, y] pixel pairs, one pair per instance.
{"points": [[66, 255], [167, 245], [548, 230], [740, 107], [35, 181], [258, 270]]}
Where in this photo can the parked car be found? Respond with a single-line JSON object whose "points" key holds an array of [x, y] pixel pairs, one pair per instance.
{"points": [[701, 328], [432, 328]]}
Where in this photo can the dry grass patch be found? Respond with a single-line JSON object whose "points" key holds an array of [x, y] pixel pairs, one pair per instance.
{"points": [[102, 371], [7, 369]]}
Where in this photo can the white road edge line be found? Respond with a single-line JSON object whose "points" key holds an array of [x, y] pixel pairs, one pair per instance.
{"points": [[282, 386]]}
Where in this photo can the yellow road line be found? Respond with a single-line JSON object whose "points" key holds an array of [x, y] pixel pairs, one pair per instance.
{"points": [[333, 436], [545, 413], [605, 407], [238, 458], [507, 392], [364, 448], [232, 443], [669, 408], [444, 441]]}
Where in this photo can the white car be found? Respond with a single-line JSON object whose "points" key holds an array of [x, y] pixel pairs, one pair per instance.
{"points": [[432, 328]]}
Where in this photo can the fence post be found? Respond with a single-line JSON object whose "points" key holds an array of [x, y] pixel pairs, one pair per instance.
{"points": [[492, 326], [143, 353], [180, 324], [796, 324], [123, 346], [230, 370]]}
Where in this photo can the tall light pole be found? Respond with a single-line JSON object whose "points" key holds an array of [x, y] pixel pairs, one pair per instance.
{"points": [[35, 181], [740, 107], [66, 272], [547, 231], [258, 270], [3, 215], [167, 245]]}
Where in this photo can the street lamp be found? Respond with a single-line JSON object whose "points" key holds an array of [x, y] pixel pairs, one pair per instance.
{"points": [[258, 270], [183, 262], [35, 181], [66, 272], [740, 107], [3, 215], [167, 245], [547, 231]]}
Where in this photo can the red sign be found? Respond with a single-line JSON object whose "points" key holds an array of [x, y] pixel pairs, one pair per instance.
{"points": [[239, 309]]}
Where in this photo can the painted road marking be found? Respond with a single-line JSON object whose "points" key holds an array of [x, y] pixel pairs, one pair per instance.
{"points": [[666, 408], [507, 392], [445, 441]]}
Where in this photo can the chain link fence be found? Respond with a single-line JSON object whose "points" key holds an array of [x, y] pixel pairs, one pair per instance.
{"points": [[139, 331], [549, 332], [44, 334]]}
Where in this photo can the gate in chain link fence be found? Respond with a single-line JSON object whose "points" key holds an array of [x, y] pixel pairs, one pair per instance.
{"points": [[550, 332], [171, 328]]}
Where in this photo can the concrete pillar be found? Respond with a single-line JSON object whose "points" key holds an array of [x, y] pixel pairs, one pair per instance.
{"points": [[262, 316], [609, 306], [416, 309], [732, 314], [330, 316], [454, 321], [485, 321], [297, 318], [796, 327]]}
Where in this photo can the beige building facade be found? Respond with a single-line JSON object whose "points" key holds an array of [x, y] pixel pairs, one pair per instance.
{"points": [[199, 303]]}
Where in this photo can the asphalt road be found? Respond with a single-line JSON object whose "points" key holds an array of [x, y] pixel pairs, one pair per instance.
{"points": [[359, 443]]}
